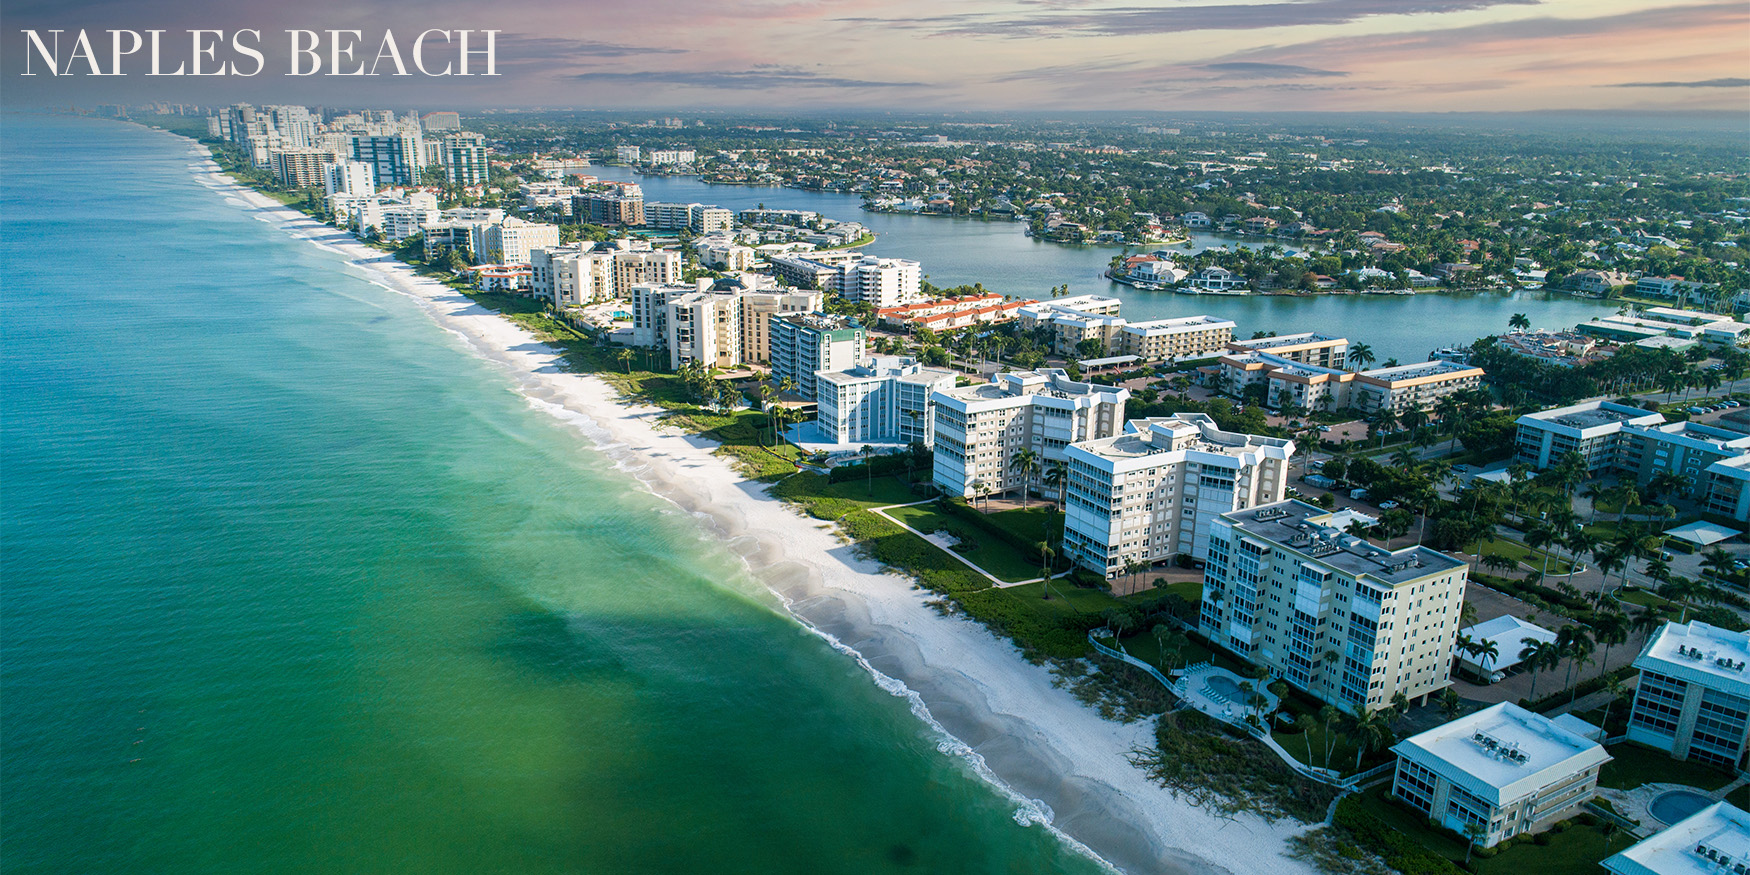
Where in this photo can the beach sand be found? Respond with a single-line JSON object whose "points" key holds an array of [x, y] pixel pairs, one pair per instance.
{"points": [[1064, 764]]}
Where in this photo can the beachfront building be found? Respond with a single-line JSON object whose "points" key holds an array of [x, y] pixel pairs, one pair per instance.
{"points": [[571, 275], [463, 156], [349, 179], [635, 266], [804, 344], [300, 167], [881, 282], [1073, 320], [1712, 841], [1411, 387], [511, 240], [883, 400], [1307, 348], [979, 429], [1350, 623], [1500, 772], [761, 307], [1180, 337], [395, 158], [1153, 492], [1693, 699]]}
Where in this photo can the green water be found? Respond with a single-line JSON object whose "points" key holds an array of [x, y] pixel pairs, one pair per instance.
{"points": [[294, 583]]}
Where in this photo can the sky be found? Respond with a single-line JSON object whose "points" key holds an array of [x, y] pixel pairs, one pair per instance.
{"points": [[944, 55]]}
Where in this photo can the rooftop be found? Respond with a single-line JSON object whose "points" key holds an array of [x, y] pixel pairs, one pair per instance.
{"points": [[1502, 752], [1698, 653], [1711, 841], [1594, 414], [1509, 634], [1303, 339], [1298, 526], [1411, 372], [1179, 433]]}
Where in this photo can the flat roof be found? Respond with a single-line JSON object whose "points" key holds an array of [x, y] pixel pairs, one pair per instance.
{"points": [[1695, 652], [1502, 752], [1180, 432], [1682, 849], [1594, 414], [1296, 525]]}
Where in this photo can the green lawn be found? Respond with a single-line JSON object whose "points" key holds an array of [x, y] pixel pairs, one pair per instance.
{"points": [[991, 554], [1030, 523], [1740, 797], [1067, 598], [1574, 851], [1633, 765], [1520, 553], [883, 491], [1342, 755]]}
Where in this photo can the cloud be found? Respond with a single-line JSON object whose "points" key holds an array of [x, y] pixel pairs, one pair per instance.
{"points": [[1137, 21], [550, 48], [741, 80], [1260, 70], [1703, 83]]}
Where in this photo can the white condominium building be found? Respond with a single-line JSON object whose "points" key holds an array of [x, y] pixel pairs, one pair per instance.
{"points": [[633, 266], [1308, 348], [1073, 320], [804, 344], [1152, 492], [572, 275], [1592, 429], [758, 310], [704, 327], [883, 400], [979, 429], [1693, 699], [349, 178], [510, 240], [1411, 387], [1712, 841], [1348, 622], [1500, 772], [881, 282], [1320, 387], [1180, 337]]}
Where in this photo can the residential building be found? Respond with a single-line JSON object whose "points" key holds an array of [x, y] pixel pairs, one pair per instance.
{"points": [[1497, 773], [571, 275], [1152, 492], [1175, 338], [804, 344], [349, 179], [944, 314], [1286, 382], [510, 241], [300, 167], [725, 256], [758, 310], [882, 400], [439, 122], [1686, 449], [395, 159], [704, 327], [980, 428], [1726, 488], [1412, 387], [1693, 698], [635, 266], [628, 154], [650, 313], [609, 207], [1073, 320], [1348, 622], [1591, 428], [1712, 841], [671, 156], [808, 271], [1598, 282], [881, 282], [1307, 348], [463, 156], [1666, 287], [666, 215]]}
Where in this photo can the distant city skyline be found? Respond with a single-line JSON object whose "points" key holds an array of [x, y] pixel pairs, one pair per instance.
{"points": [[1325, 55]]}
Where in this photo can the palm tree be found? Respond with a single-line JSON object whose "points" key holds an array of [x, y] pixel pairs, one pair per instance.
{"points": [[1307, 724], [1329, 715], [1615, 688], [1027, 462], [1536, 657], [1486, 652], [981, 492], [1361, 354], [1609, 629], [868, 453], [625, 357], [1519, 322], [1058, 475], [1133, 568], [1370, 729], [1384, 420], [1462, 643], [1646, 623]]}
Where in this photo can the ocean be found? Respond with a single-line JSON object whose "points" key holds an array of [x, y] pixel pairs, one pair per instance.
{"points": [[296, 583]]}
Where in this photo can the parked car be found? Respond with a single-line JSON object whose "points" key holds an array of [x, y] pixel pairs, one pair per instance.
{"points": [[1358, 493], [1388, 505], [1697, 411]]}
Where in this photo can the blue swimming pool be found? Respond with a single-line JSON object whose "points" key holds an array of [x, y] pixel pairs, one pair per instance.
{"points": [[1671, 807]]}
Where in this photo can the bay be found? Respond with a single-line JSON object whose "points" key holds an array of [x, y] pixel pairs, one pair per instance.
{"points": [[998, 254]]}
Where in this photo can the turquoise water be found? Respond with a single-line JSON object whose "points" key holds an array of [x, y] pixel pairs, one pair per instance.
{"points": [[293, 583], [999, 255]]}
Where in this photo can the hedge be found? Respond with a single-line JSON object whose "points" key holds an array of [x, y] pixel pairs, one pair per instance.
{"points": [[1399, 851], [885, 465]]}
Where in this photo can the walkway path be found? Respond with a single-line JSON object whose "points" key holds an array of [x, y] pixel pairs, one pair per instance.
{"points": [[946, 545]]}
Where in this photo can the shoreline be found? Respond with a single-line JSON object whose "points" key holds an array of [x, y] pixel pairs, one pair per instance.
{"points": [[997, 712]]}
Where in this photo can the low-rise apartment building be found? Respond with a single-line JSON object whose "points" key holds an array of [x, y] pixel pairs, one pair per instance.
{"points": [[979, 429], [1412, 387], [943, 314], [883, 400], [1175, 338], [1152, 492], [1307, 348], [1693, 698], [1073, 320], [1712, 841], [1592, 429], [1500, 772], [1349, 622]]}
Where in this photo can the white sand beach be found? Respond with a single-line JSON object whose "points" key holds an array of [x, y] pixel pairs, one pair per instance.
{"points": [[996, 709]]}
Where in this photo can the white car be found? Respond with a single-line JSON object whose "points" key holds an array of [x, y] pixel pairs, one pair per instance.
{"points": [[1388, 505]]}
